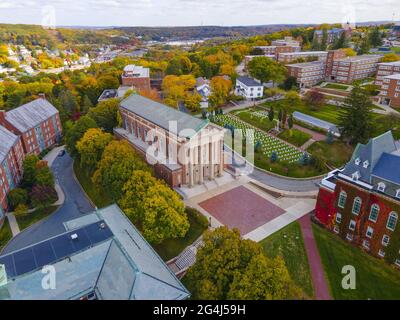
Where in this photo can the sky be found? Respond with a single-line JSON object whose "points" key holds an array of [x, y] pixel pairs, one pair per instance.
{"points": [[194, 12]]}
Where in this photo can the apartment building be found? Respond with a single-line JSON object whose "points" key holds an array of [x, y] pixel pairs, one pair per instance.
{"points": [[137, 77], [331, 35], [389, 93], [288, 57], [386, 69], [184, 150], [287, 41], [11, 158], [361, 202], [249, 88], [274, 51], [307, 74], [332, 56], [348, 69], [37, 123]]}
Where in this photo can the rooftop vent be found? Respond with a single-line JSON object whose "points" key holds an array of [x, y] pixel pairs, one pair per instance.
{"points": [[74, 236]]}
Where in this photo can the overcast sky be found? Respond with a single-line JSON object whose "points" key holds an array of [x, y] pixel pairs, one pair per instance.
{"points": [[194, 12]]}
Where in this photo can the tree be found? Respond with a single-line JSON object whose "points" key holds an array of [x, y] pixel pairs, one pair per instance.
{"points": [[86, 104], [375, 37], [76, 132], [154, 208], [21, 210], [341, 42], [274, 156], [355, 120], [257, 51], [229, 267], [289, 83], [315, 99], [266, 69], [106, 114], [290, 121], [42, 196], [324, 40], [271, 113], [220, 88], [390, 57], [17, 196], [192, 101], [114, 169], [43, 174], [91, 147], [329, 137], [349, 52], [29, 166]]}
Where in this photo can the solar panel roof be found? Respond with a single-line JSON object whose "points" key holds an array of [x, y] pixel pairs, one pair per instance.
{"points": [[54, 249]]}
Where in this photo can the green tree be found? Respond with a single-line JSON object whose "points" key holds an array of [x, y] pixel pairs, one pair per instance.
{"points": [[17, 196], [91, 147], [43, 175], [341, 42], [106, 114], [154, 208], [86, 104], [29, 166], [290, 121], [76, 132], [228, 267], [355, 120], [375, 37], [271, 113], [266, 69]]}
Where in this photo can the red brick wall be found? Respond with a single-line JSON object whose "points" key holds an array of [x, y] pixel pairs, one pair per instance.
{"points": [[139, 83], [325, 207]]}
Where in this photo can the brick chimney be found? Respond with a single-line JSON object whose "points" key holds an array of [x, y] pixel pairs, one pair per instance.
{"points": [[2, 117], [42, 95]]}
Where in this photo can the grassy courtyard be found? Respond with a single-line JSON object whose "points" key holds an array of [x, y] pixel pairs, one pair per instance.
{"points": [[257, 119], [374, 278], [28, 219], [295, 137], [289, 244], [336, 154], [336, 86], [5, 234]]}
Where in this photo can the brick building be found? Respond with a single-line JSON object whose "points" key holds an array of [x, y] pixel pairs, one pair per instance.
{"points": [[184, 150], [287, 41], [389, 93], [361, 202], [137, 77], [276, 50], [11, 158], [331, 35], [348, 69], [332, 56], [288, 57], [307, 74], [37, 122]]}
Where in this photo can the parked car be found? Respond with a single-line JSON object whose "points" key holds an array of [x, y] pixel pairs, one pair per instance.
{"points": [[61, 153]]}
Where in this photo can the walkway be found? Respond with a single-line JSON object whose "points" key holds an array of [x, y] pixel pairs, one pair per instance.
{"points": [[317, 271], [13, 224], [317, 136], [307, 144]]}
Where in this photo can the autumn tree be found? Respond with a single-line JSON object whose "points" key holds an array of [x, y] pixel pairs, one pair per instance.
{"points": [[76, 132], [114, 169], [315, 99], [266, 69], [175, 88], [91, 147], [220, 90], [390, 57], [105, 114], [192, 101], [228, 267], [154, 208]]}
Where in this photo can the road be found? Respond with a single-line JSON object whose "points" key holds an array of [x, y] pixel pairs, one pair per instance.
{"points": [[74, 206]]}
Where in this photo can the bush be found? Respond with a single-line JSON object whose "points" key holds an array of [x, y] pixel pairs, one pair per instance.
{"points": [[43, 196], [196, 215], [21, 210], [17, 197]]}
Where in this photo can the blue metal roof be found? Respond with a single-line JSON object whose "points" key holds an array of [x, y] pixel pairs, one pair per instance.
{"points": [[388, 168], [316, 122]]}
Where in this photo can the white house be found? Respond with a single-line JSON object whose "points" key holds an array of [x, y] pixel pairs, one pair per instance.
{"points": [[249, 88], [203, 88]]}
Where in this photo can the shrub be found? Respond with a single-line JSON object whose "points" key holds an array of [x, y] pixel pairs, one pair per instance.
{"points": [[196, 215], [43, 196], [21, 210], [17, 197]]}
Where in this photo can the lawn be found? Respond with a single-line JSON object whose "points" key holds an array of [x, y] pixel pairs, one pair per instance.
{"points": [[98, 197], [294, 136], [28, 219], [396, 50], [258, 119], [173, 247], [374, 278], [5, 234], [336, 86], [336, 154], [288, 243]]}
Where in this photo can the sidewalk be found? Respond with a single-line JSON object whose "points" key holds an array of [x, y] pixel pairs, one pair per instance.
{"points": [[13, 224], [317, 271]]}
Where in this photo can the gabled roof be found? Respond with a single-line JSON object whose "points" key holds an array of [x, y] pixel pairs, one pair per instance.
{"points": [[161, 115], [388, 168], [31, 114], [7, 140], [371, 152]]}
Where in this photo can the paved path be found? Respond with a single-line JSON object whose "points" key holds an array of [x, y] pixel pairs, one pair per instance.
{"points": [[74, 206], [317, 271], [13, 224], [317, 136], [307, 144]]}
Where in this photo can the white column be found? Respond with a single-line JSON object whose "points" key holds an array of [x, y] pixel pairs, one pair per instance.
{"points": [[212, 152], [190, 167], [201, 178], [221, 157]]}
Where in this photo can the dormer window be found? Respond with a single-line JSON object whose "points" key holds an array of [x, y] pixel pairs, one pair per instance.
{"points": [[357, 161], [381, 187], [355, 175], [366, 164]]}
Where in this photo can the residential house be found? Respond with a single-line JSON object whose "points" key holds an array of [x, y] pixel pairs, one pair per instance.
{"points": [[249, 88]]}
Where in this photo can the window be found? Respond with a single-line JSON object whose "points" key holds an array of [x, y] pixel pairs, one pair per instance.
{"points": [[397, 262], [349, 237], [355, 175], [381, 253], [356, 206], [342, 199], [357, 161], [385, 240], [392, 221], [365, 244], [366, 164], [369, 232], [338, 217], [336, 229], [373, 215], [352, 225], [381, 187]]}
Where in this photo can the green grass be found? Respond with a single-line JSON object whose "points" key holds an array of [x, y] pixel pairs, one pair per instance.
{"points": [[374, 278], [288, 243], [173, 247], [336, 86], [5, 234], [98, 197], [261, 123], [295, 137], [396, 50], [336, 154], [26, 220]]}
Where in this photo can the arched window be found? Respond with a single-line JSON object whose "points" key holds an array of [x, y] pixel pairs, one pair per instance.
{"points": [[392, 221], [357, 205], [373, 215], [342, 199]]}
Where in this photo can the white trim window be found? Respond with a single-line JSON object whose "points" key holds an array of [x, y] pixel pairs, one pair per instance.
{"points": [[349, 237], [357, 206], [365, 244], [352, 225], [392, 221], [338, 217], [385, 240], [397, 262], [369, 233], [374, 213], [356, 175], [342, 199], [381, 253], [357, 161], [366, 164], [336, 229], [381, 187]]}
